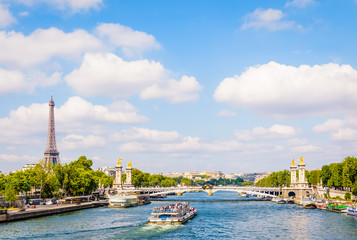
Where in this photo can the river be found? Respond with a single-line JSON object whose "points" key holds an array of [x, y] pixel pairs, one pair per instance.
{"points": [[222, 216]]}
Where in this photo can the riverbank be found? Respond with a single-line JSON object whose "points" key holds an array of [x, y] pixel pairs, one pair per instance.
{"points": [[46, 210]]}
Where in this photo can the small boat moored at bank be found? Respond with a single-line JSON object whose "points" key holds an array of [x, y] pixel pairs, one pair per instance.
{"points": [[177, 213], [352, 211]]}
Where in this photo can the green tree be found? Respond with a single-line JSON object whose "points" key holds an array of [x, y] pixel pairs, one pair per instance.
{"points": [[347, 196], [314, 177], [11, 194], [349, 171], [325, 174]]}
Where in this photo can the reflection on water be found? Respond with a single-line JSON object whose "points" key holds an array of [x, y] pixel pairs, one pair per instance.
{"points": [[222, 216]]}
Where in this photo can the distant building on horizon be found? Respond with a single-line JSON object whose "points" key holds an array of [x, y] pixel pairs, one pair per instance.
{"points": [[28, 166], [51, 153], [108, 171]]}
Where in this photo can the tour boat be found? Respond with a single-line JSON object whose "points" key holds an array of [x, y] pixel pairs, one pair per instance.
{"points": [[123, 201], [177, 213], [290, 201], [352, 211]]}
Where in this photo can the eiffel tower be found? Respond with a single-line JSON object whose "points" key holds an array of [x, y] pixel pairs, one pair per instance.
{"points": [[51, 153]]}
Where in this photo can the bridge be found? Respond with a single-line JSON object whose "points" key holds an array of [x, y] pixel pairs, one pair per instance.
{"points": [[251, 190]]}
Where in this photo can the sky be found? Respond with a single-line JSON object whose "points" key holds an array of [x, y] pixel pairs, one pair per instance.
{"points": [[179, 85]]}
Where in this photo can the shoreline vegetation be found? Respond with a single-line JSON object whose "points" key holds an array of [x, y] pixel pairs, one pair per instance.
{"points": [[78, 178], [339, 176]]}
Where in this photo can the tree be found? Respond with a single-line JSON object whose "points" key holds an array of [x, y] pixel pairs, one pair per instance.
{"points": [[349, 171], [325, 174], [314, 177], [11, 194], [336, 175], [347, 195]]}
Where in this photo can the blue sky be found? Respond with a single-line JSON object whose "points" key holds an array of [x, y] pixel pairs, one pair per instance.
{"points": [[236, 86]]}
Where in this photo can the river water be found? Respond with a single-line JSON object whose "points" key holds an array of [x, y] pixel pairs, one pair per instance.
{"points": [[222, 216]]}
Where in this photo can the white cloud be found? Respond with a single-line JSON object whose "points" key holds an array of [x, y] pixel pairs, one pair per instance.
{"points": [[6, 17], [186, 144], [175, 91], [144, 134], [338, 129], [344, 134], [306, 148], [16, 81], [74, 5], [110, 75], [227, 113], [77, 110], [297, 142], [132, 42], [300, 3], [74, 141], [12, 158], [76, 115], [270, 19], [24, 14], [12, 81], [284, 91], [331, 124], [18, 50], [274, 132]]}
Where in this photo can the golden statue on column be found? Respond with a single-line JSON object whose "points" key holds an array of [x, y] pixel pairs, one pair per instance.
{"points": [[293, 163], [129, 164], [301, 160], [119, 162]]}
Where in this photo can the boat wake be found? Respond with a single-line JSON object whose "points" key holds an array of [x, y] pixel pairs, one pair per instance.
{"points": [[150, 231]]}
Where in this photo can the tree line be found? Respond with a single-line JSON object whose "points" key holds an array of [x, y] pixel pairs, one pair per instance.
{"points": [[78, 178], [342, 176], [75, 178], [141, 179]]}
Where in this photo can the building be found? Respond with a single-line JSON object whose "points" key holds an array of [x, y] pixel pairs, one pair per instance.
{"points": [[173, 174], [209, 174], [108, 171], [28, 166], [51, 154]]}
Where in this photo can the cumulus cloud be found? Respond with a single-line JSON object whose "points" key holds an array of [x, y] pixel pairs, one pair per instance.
{"points": [[132, 42], [338, 129], [74, 5], [16, 81], [344, 134], [12, 81], [227, 113], [110, 75], [20, 51], [270, 19], [175, 91], [12, 158], [284, 91], [144, 134], [306, 148], [76, 115], [6, 17], [274, 132], [186, 144], [74, 141], [300, 3]]}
